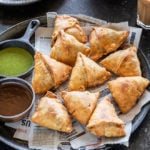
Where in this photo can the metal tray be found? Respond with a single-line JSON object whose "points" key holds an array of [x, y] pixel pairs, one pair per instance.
{"points": [[6, 133], [17, 2]]}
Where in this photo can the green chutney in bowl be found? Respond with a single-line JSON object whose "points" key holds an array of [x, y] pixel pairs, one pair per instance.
{"points": [[15, 61]]}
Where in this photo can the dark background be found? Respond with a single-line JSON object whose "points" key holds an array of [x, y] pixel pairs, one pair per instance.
{"points": [[109, 10]]}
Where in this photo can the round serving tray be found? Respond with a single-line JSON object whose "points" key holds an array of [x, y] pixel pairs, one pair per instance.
{"points": [[17, 30]]}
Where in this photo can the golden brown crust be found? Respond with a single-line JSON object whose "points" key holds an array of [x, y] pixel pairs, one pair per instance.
{"points": [[66, 48], [42, 80], [86, 73], [105, 40], [52, 114], [70, 25], [104, 120], [80, 104], [95, 74], [127, 90], [97, 51], [59, 71], [112, 39], [78, 80], [123, 62], [48, 73]]}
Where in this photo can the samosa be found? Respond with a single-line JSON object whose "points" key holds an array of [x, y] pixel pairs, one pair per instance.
{"points": [[105, 121], [52, 114], [80, 104], [48, 73], [127, 90], [86, 73]]}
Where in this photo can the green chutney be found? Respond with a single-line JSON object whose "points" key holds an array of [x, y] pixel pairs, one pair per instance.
{"points": [[14, 61]]}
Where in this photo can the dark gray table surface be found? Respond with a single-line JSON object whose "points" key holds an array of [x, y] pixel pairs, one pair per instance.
{"points": [[109, 10]]}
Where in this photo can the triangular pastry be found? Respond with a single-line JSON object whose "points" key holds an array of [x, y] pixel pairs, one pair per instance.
{"points": [[70, 25], [80, 104], [66, 48], [127, 90], [123, 62], [86, 73], [52, 114], [104, 120], [97, 51], [105, 40], [42, 79], [48, 73], [59, 71]]}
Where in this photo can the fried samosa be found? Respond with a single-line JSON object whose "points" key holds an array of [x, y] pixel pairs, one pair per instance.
{"points": [[66, 48], [127, 90], [48, 73], [86, 73], [42, 79], [105, 40], [70, 25], [97, 51], [52, 114], [123, 62], [80, 104], [104, 120]]}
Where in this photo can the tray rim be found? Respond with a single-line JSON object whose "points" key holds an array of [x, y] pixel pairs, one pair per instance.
{"points": [[17, 2], [6, 34]]}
